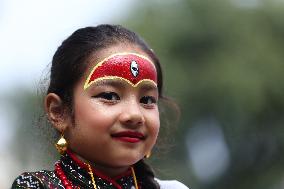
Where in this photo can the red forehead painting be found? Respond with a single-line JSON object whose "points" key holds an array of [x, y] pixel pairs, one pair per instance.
{"points": [[129, 67]]}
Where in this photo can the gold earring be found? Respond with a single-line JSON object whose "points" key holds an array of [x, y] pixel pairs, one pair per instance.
{"points": [[148, 155], [61, 145]]}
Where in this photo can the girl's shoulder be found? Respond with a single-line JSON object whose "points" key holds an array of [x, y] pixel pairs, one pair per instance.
{"points": [[171, 184], [39, 179]]}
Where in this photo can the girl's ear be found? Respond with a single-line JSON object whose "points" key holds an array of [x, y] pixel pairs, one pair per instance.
{"points": [[56, 112]]}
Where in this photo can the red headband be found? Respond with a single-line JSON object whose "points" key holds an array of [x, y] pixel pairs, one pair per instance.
{"points": [[130, 67]]}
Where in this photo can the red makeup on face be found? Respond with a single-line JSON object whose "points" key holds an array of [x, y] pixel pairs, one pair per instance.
{"points": [[130, 67]]}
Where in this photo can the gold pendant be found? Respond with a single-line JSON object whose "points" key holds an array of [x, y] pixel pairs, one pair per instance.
{"points": [[61, 145]]}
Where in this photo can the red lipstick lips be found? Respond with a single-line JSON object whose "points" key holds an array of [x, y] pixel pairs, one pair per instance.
{"points": [[129, 136]]}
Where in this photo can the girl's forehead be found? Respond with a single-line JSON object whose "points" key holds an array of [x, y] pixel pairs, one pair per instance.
{"points": [[131, 68], [100, 55]]}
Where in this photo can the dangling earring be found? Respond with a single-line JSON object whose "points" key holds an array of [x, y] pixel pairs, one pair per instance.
{"points": [[61, 145], [148, 155]]}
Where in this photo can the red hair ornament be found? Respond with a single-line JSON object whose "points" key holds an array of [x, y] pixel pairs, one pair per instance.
{"points": [[130, 67]]}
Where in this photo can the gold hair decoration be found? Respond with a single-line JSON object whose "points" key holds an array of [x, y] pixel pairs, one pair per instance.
{"points": [[61, 145]]}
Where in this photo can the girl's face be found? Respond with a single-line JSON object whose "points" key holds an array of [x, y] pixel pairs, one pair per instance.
{"points": [[115, 124]]}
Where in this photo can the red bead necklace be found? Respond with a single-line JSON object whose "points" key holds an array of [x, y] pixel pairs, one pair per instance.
{"points": [[68, 185], [60, 173]]}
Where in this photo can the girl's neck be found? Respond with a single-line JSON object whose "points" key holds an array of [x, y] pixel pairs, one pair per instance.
{"points": [[104, 169], [111, 172]]}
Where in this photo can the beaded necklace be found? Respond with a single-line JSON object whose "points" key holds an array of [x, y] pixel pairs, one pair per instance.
{"points": [[62, 177], [68, 184]]}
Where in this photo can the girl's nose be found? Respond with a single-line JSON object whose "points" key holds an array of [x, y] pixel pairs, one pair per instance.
{"points": [[131, 115]]}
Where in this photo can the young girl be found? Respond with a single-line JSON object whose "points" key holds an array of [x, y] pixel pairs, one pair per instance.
{"points": [[102, 99]]}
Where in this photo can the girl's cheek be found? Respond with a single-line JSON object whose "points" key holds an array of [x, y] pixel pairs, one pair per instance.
{"points": [[155, 121]]}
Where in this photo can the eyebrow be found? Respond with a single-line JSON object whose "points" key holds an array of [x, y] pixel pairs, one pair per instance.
{"points": [[148, 87], [110, 82], [122, 84]]}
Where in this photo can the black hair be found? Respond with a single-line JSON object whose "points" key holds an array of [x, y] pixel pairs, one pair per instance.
{"points": [[70, 61]]}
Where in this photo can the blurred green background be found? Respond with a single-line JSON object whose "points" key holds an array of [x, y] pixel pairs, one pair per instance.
{"points": [[223, 63]]}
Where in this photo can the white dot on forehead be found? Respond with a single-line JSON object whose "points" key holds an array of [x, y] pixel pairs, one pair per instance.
{"points": [[134, 68]]}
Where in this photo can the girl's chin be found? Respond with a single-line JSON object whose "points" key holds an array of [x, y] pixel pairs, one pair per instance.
{"points": [[119, 161], [127, 160]]}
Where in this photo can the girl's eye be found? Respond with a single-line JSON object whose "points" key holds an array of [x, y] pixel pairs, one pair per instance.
{"points": [[148, 100], [109, 96]]}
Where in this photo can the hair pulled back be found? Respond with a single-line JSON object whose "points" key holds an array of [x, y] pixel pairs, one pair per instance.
{"points": [[70, 61]]}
